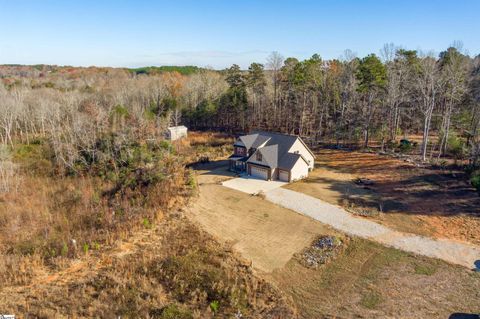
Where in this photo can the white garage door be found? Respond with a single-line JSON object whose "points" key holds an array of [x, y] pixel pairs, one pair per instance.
{"points": [[283, 175], [259, 172]]}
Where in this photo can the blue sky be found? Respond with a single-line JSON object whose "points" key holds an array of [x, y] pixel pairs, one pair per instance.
{"points": [[220, 33]]}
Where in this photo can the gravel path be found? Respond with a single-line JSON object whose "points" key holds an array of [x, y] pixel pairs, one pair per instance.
{"points": [[448, 250]]}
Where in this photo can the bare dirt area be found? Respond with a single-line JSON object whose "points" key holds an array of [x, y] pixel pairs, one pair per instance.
{"points": [[263, 232], [437, 203]]}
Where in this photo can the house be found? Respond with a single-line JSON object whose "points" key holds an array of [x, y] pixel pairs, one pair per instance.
{"points": [[272, 156], [176, 132]]}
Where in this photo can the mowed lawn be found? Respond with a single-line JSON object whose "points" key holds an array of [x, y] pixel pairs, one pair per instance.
{"points": [[366, 280]]}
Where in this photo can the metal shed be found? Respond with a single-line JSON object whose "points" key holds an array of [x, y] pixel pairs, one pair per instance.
{"points": [[176, 132]]}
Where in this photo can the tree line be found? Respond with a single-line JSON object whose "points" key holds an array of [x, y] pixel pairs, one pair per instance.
{"points": [[376, 100], [383, 97]]}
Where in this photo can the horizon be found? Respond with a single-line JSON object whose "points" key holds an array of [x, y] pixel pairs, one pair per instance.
{"points": [[217, 34]]}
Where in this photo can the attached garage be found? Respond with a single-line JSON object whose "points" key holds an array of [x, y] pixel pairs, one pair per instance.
{"points": [[283, 175], [299, 170], [259, 172]]}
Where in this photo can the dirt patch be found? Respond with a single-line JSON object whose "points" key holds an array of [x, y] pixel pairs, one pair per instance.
{"points": [[264, 233], [402, 196]]}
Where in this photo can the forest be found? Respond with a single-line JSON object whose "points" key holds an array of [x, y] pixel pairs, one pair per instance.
{"points": [[374, 101]]}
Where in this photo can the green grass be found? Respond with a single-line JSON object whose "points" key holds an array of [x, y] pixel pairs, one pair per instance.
{"points": [[427, 270], [371, 300]]}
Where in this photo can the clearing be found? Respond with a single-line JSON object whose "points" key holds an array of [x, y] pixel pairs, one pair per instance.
{"points": [[407, 198], [366, 280], [261, 231]]}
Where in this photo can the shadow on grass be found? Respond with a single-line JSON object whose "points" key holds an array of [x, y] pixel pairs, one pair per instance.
{"points": [[459, 315], [429, 194]]}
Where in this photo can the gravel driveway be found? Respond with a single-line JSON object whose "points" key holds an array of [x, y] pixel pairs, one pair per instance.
{"points": [[448, 250]]}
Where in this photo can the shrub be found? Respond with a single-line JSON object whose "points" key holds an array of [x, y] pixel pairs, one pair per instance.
{"points": [[456, 147], [214, 305], [475, 180], [405, 146]]}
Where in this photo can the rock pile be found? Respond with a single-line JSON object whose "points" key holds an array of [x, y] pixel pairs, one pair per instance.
{"points": [[322, 250]]}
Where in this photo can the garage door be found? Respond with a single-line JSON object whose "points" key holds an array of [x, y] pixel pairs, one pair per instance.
{"points": [[283, 175], [259, 172]]}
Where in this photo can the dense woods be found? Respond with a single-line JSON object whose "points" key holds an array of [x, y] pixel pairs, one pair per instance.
{"points": [[385, 98], [374, 101]]}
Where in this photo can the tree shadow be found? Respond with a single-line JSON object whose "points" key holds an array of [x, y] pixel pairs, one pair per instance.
{"points": [[459, 315], [428, 194]]}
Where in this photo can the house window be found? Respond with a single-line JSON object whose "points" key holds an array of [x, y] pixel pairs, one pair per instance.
{"points": [[240, 151], [259, 156]]}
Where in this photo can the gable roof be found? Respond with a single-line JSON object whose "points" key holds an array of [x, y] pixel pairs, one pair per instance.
{"points": [[288, 160], [275, 151], [248, 140], [270, 155], [283, 141], [175, 128]]}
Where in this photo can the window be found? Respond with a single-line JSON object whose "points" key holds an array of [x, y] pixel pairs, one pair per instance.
{"points": [[259, 156], [240, 151]]}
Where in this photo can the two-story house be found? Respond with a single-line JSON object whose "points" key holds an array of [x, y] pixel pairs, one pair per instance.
{"points": [[272, 156]]}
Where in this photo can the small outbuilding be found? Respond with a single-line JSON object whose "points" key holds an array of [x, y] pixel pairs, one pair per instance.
{"points": [[176, 132]]}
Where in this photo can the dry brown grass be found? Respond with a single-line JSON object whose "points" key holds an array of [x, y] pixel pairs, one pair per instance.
{"points": [[172, 267], [209, 145], [89, 246], [438, 203]]}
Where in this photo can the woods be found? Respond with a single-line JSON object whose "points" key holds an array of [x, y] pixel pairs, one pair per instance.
{"points": [[355, 100], [373, 101]]}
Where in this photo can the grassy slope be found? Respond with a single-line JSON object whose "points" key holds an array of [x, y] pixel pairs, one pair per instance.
{"points": [[372, 281]]}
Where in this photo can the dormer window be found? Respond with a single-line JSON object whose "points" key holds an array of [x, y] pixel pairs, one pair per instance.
{"points": [[259, 156]]}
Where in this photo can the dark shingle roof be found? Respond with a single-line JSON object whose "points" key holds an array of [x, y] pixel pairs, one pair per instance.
{"points": [[288, 160], [276, 148], [260, 140], [248, 140], [270, 155], [283, 141]]}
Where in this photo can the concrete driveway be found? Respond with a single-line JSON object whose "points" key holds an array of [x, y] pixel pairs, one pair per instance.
{"points": [[252, 185]]}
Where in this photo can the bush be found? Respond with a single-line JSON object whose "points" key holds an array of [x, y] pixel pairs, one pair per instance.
{"points": [[456, 147], [405, 146], [475, 180]]}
